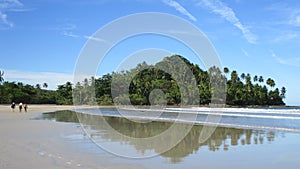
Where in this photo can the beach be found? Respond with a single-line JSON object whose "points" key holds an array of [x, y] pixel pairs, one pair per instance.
{"points": [[27, 143]]}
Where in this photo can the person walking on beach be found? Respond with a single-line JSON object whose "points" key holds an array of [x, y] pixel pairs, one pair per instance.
{"points": [[25, 107], [20, 107], [13, 106]]}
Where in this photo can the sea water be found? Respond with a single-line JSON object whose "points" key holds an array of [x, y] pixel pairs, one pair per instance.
{"points": [[242, 138]]}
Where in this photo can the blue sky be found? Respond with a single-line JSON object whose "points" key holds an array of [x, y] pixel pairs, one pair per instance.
{"points": [[40, 40]]}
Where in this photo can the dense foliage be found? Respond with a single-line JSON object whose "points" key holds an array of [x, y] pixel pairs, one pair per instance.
{"points": [[137, 85], [241, 90], [19, 92]]}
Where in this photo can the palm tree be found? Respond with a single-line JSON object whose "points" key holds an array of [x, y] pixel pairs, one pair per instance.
{"points": [[255, 78], [226, 71], [243, 76], [1, 76], [283, 91], [45, 85], [38, 86], [270, 82], [248, 79], [261, 79], [234, 76]]}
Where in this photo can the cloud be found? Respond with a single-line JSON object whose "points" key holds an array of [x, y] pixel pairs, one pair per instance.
{"points": [[94, 38], [66, 29], [228, 14], [4, 23], [33, 78], [289, 62], [67, 26], [8, 5], [295, 20], [70, 34], [290, 14], [179, 8], [245, 52], [286, 37]]}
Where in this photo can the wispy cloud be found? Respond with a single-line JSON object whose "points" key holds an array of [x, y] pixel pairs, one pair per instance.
{"points": [[94, 38], [295, 61], [218, 7], [290, 15], [66, 29], [11, 6], [179, 8], [4, 23], [32, 78], [245, 52], [70, 34], [286, 37], [295, 18]]}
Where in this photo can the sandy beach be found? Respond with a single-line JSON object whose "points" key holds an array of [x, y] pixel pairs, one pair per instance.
{"points": [[28, 144]]}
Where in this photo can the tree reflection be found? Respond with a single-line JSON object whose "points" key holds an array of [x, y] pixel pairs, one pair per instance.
{"points": [[221, 140]]}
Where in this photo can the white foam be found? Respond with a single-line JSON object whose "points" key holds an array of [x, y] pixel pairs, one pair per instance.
{"points": [[239, 110], [292, 125], [231, 112]]}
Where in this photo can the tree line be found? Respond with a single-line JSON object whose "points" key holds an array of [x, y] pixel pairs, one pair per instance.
{"points": [[19, 92], [135, 87]]}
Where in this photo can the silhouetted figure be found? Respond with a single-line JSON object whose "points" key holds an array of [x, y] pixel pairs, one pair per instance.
{"points": [[25, 107], [20, 107], [13, 106]]}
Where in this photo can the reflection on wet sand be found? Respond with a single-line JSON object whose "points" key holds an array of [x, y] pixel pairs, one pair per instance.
{"points": [[221, 140]]}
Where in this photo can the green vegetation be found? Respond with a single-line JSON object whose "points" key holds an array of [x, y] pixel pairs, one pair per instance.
{"points": [[112, 88], [18, 92], [241, 90]]}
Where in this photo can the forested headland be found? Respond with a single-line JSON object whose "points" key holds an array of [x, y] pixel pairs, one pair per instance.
{"points": [[241, 89]]}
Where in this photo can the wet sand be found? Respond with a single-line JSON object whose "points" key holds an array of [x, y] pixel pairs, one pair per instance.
{"points": [[28, 144]]}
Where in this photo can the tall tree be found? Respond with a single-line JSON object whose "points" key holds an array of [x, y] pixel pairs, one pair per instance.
{"points": [[255, 78], [270, 82], [234, 76], [260, 79], [1, 76], [282, 93], [38, 86], [45, 85], [65, 93], [243, 76]]}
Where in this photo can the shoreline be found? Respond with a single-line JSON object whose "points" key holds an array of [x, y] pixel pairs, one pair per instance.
{"points": [[28, 144]]}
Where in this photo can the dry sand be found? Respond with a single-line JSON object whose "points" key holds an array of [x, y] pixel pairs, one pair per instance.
{"points": [[30, 144]]}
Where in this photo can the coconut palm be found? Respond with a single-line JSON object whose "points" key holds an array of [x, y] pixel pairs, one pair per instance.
{"points": [[248, 79], [226, 71], [270, 82], [255, 78], [1, 76], [38, 86], [45, 85], [243, 76], [283, 91], [234, 76], [261, 79]]}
